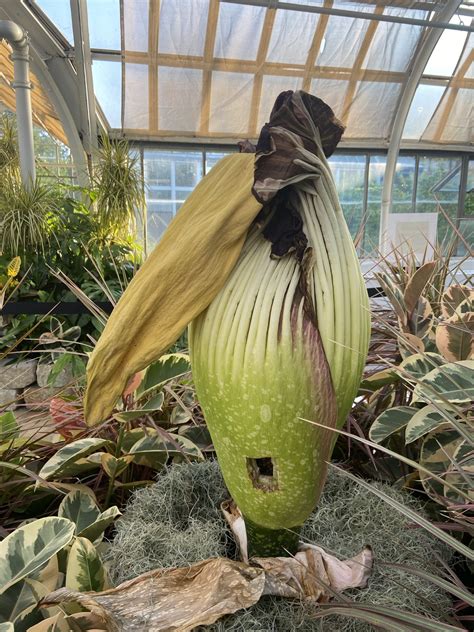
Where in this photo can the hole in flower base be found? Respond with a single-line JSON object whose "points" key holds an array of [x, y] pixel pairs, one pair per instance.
{"points": [[262, 473]]}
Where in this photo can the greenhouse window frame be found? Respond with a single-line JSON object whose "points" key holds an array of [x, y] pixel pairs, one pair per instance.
{"points": [[206, 148]]}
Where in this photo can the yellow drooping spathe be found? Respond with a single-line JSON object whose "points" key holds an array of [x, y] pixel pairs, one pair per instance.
{"points": [[177, 282]]}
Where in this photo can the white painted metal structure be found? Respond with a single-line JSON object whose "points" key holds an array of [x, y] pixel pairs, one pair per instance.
{"points": [[422, 57], [18, 40]]}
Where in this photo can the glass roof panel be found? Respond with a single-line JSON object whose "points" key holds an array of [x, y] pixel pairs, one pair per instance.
{"points": [[466, 65], [104, 24], [174, 84], [107, 77], [446, 54], [238, 31], [453, 119], [231, 96], [393, 44], [182, 26], [339, 29], [332, 91], [271, 87], [423, 106], [136, 106], [135, 24], [60, 14], [179, 99], [292, 35], [372, 109]]}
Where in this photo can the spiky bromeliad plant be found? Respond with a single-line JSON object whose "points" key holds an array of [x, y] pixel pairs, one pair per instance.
{"points": [[260, 263]]}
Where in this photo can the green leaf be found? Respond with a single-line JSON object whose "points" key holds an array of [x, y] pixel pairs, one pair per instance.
{"points": [[29, 547], [68, 454], [80, 508], [186, 447], [423, 421], [394, 295], [421, 318], [20, 599], [453, 297], [7, 627], [152, 406], [56, 623], [453, 382], [167, 368], [436, 452], [379, 379], [417, 284], [9, 428], [390, 421], [84, 569], [420, 364], [408, 344], [180, 415], [72, 334], [106, 518], [132, 437], [151, 446], [199, 435], [466, 306], [460, 472], [114, 466], [48, 575], [154, 445], [65, 360], [455, 337]]}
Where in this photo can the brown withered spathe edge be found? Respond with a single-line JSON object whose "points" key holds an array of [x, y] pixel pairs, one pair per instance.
{"points": [[299, 123]]}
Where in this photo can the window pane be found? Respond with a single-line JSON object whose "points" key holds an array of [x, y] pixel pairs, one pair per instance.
{"points": [[349, 176], [469, 199], [135, 24], [107, 77], [374, 200], [447, 51], [60, 15], [422, 108], [466, 245], [212, 157], [156, 224], [403, 182], [438, 190], [188, 170], [170, 176], [104, 24]]}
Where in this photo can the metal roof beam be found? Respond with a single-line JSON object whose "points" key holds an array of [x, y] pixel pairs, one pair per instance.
{"points": [[363, 15], [85, 85]]}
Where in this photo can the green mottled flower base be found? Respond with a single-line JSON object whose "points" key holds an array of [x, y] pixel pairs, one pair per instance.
{"points": [[264, 542]]}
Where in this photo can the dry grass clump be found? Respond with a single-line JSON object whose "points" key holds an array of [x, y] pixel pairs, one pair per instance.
{"points": [[178, 522]]}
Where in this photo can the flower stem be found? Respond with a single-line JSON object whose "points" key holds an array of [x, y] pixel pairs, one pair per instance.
{"points": [[263, 542]]}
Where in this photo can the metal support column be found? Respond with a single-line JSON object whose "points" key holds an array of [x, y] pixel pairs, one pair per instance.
{"points": [[48, 84], [421, 59], [18, 40]]}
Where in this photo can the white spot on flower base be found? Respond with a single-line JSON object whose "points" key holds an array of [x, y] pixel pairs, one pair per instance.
{"points": [[265, 413]]}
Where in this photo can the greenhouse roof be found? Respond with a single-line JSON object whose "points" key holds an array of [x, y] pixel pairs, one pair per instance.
{"points": [[209, 70], [44, 114]]}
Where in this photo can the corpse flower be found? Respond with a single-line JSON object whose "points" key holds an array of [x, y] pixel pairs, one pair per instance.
{"points": [[260, 264]]}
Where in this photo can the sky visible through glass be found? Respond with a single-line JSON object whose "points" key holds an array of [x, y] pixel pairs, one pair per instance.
{"points": [[104, 32]]}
